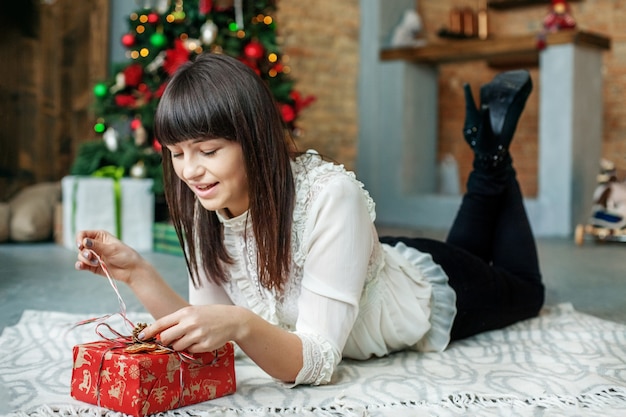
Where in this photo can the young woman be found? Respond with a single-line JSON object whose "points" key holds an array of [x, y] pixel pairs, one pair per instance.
{"points": [[282, 252]]}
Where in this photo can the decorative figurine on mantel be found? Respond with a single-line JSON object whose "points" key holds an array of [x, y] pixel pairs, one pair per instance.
{"points": [[559, 17], [408, 30], [467, 23]]}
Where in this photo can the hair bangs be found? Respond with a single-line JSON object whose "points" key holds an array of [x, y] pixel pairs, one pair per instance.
{"points": [[189, 109]]}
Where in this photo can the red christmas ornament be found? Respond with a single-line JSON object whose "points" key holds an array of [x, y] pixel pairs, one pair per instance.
{"points": [[156, 145], [145, 92], [254, 50], [205, 6], [251, 64], [133, 74], [153, 18], [175, 57], [125, 100], [135, 124], [159, 92], [288, 113], [128, 40]]}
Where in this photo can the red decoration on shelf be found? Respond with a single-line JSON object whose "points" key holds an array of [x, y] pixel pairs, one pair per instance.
{"points": [[541, 43], [559, 17]]}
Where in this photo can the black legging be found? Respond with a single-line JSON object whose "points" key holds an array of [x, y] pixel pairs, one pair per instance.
{"points": [[489, 256]]}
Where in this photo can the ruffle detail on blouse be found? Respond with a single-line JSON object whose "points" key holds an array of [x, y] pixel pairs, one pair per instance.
{"points": [[259, 300], [318, 360], [236, 224], [312, 174], [443, 300], [240, 243]]}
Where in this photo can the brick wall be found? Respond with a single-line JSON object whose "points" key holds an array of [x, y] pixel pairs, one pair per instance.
{"points": [[321, 38]]}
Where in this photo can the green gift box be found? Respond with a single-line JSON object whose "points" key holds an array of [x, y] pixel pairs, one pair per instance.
{"points": [[165, 239]]}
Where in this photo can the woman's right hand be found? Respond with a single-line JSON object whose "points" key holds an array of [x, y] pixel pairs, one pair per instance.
{"points": [[120, 259]]}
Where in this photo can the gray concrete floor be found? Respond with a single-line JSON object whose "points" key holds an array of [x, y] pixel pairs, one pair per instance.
{"points": [[42, 277]]}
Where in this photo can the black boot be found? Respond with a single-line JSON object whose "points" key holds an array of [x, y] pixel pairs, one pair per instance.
{"points": [[489, 131], [489, 155], [506, 97], [473, 118]]}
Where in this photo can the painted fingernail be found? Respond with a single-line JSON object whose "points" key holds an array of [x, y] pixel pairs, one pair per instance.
{"points": [[93, 261], [141, 335], [88, 243]]}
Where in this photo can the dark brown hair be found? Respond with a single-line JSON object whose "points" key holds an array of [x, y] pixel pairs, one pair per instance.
{"points": [[217, 96]]}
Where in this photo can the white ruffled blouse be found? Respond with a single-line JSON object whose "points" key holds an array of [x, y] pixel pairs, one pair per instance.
{"points": [[347, 294]]}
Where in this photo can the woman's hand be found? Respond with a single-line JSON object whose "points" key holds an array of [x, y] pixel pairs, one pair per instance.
{"points": [[198, 329], [208, 327], [126, 265], [119, 258]]}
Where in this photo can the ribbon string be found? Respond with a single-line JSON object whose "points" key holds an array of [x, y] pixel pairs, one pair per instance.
{"points": [[122, 312], [131, 343]]}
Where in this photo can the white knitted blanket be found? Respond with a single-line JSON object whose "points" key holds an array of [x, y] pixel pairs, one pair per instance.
{"points": [[563, 363]]}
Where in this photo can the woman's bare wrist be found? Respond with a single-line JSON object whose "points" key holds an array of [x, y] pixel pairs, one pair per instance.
{"points": [[141, 272]]}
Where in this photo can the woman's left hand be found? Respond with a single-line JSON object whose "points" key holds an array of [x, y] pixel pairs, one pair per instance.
{"points": [[197, 329]]}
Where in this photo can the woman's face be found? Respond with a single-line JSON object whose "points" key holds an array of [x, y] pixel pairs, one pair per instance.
{"points": [[214, 170]]}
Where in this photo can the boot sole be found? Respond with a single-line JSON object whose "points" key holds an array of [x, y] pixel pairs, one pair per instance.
{"points": [[506, 97]]}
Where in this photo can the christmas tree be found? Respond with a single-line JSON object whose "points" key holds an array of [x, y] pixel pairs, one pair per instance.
{"points": [[163, 35]]}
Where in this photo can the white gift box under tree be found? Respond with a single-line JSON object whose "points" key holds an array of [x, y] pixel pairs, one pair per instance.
{"points": [[91, 203]]}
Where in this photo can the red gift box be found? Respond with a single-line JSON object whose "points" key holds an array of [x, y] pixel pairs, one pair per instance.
{"points": [[109, 374]]}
